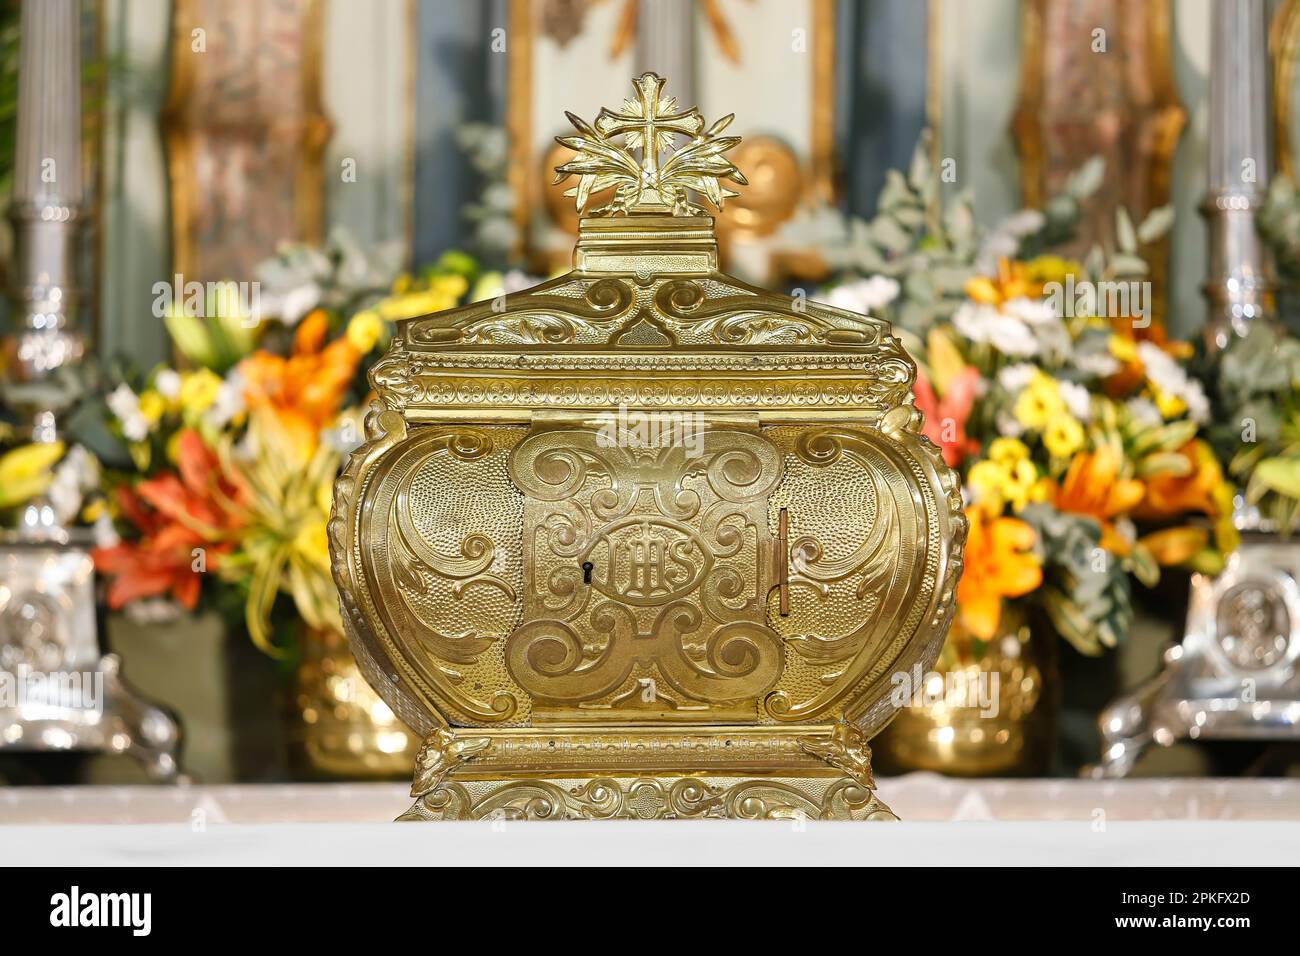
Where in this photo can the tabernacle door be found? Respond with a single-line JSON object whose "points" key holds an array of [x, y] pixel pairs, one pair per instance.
{"points": [[647, 560]]}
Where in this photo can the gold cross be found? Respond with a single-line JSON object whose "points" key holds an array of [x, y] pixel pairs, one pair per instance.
{"points": [[654, 117]]}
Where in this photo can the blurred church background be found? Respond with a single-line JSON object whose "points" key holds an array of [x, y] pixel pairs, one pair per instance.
{"points": [[288, 93]]}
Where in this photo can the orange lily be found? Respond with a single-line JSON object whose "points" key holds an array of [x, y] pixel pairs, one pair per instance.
{"points": [[1132, 373], [1171, 546], [1012, 282], [1202, 490], [176, 514], [1199, 490], [945, 418], [1092, 486], [303, 392], [998, 564]]}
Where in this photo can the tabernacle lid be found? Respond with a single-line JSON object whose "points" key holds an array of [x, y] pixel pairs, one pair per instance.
{"points": [[645, 319]]}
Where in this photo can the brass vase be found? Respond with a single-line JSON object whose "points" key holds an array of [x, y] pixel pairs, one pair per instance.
{"points": [[988, 709], [339, 728]]}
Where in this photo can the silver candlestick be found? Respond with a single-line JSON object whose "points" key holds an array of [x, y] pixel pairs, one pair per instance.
{"points": [[1239, 285], [57, 692], [1236, 672], [46, 215]]}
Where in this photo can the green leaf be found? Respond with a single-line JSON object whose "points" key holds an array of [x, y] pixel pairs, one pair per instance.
{"points": [[1128, 264], [1083, 182], [1162, 464], [1281, 475], [1144, 567], [1124, 231], [1157, 222]]}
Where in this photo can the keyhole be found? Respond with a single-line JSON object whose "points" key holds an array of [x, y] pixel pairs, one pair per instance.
{"points": [[586, 572]]}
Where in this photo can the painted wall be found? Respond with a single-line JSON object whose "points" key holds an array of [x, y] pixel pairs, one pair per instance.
{"points": [[368, 84], [401, 75]]}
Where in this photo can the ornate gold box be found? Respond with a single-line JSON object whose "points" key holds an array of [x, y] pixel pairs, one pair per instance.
{"points": [[643, 540]]}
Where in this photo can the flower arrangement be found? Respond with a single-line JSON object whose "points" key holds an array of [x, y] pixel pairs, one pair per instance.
{"points": [[1079, 433], [220, 484]]}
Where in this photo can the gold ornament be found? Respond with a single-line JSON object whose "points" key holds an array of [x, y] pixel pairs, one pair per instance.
{"points": [[645, 541], [650, 123]]}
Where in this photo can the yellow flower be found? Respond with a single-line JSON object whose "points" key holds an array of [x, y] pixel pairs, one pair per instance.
{"points": [[985, 480], [92, 512], [1008, 450], [443, 293], [364, 330], [402, 284], [1006, 477], [946, 362], [1063, 436], [451, 285], [1040, 402], [1011, 282], [1047, 269], [26, 471], [1123, 348], [1042, 490], [1169, 405], [325, 496], [152, 406], [312, 542], [199, 390]]}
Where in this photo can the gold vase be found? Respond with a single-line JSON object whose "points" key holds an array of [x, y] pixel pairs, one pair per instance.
{"points": [[339, 727], [988, 709]]}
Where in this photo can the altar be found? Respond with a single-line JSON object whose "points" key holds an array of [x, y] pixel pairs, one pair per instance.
{"points": [[1202, 823]]}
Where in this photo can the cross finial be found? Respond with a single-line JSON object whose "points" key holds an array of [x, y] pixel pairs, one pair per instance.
{"points": [[651, 124]]}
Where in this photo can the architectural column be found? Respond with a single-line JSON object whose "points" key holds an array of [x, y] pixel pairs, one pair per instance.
{"points": [[665, 44]]}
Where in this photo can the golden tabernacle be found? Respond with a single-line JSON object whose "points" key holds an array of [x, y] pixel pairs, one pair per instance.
{"points": [[645, 541]]}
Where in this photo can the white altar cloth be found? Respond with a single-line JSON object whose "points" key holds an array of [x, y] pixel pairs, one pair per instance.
{"points": [[1074, 822]]}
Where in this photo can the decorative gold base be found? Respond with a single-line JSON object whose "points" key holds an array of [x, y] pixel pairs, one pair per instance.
{"points": [[818, 772], [652, 798]]}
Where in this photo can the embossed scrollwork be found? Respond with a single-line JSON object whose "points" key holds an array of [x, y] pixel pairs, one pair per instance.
{"points": [[652, 798], [884, 567], [544, 315], [408, 566], [550, 659], [689, 551], [735, 319], [740, 659]]}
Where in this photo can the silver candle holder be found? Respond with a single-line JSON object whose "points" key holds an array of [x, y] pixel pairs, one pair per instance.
{"points": [[57, 691]]}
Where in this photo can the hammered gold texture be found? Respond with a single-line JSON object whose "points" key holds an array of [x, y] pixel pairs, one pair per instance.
{"points": [[450, 593], [585, 625]]}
